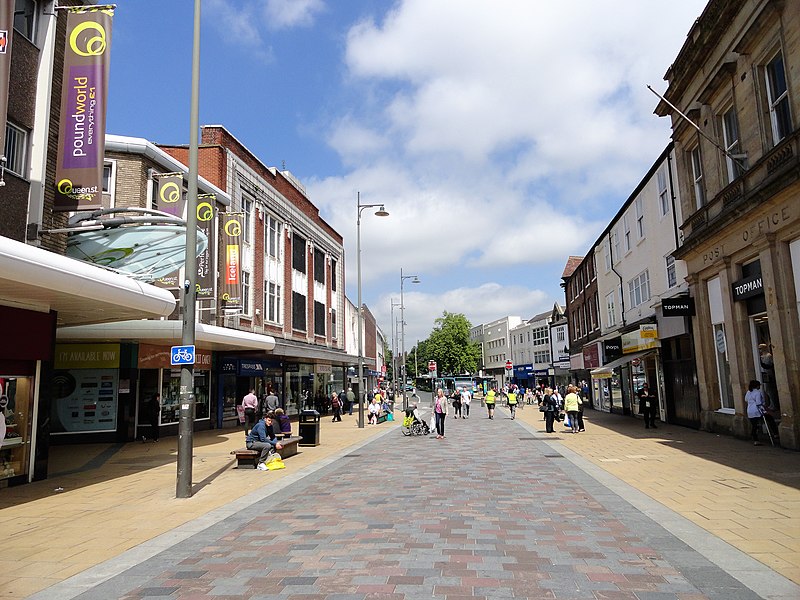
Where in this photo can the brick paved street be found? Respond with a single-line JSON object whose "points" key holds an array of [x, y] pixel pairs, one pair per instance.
{"points": [[492, 511]]}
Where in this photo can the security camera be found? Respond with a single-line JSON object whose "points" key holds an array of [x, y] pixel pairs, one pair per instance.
{"points": [[187, 286]]}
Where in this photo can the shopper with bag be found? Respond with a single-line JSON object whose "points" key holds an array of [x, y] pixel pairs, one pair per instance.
{"points": [[262, 438], [440, 412], [571, 404]]}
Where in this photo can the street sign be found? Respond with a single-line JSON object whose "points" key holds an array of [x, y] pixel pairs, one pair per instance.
{"points": [[383, 369], [181, 355], [509, 365], [431, 365]]}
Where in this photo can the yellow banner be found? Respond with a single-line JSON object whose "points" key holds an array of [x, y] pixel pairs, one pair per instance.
{"points": [[87, 356]]}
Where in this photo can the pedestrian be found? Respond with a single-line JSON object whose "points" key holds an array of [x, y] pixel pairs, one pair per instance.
{"points": [[261, 437], [583, 400], [490, 400], [250, 405], [466, 398], [456, 399], [271, 402], [351, 400], [153, 414], [342, 401], [559, 401], [440, 412], [512, 403], [647, 406], [755, 408], [336, 406], [281, 424], [549, 408], [571, 404]]}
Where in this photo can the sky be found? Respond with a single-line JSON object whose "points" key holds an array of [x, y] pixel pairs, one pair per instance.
{"points": [[501, 136]]}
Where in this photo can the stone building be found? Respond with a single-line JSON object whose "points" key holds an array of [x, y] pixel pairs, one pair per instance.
{"points": [[733, 98]]}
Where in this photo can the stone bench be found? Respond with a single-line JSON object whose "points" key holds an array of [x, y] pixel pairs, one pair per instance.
{"points": [[248, 459]]}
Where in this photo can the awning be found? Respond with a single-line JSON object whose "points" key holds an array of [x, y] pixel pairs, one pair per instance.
{"points": [[38, 280], [167, 333], [606, 371]]}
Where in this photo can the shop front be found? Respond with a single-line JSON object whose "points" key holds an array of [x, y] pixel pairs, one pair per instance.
{"points": [[237, 375]]}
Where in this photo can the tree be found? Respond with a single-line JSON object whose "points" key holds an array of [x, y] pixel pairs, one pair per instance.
{"points": [[449, 345]]}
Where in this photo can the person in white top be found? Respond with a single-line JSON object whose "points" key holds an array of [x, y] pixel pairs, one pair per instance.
{"points": [[755, 408], [466, 398]]}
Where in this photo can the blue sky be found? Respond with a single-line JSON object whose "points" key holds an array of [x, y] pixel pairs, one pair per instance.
{"points": [[502, 136]]}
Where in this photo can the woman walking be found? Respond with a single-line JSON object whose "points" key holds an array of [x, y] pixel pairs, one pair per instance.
{"points": [[571, 405], [456, 398], [440, 412]]}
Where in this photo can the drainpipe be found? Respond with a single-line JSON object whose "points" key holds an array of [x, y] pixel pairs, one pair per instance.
{"points": [[621, 291], [672, 200]]}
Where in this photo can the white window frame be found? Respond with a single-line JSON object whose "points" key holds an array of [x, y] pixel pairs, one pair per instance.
{"points": [[626, 232], [247, 208], [246, 304], [639, 207], [272, 237], [16, 150], [777, 99], [696, 160], [34, 17], [611, 308], [272, 302], [731, 142], [672, 276], [639, 288], [663, 192]]}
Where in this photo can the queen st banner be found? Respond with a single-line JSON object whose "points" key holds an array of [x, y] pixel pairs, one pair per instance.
{"points": [[206, 262], [232, 276], [81, 140], [169, 198], [6, 31]]}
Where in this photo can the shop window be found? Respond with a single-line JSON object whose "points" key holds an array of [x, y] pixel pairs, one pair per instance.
{"points": [[16, 400], [723, 367], [778, 99], [299, 253]]}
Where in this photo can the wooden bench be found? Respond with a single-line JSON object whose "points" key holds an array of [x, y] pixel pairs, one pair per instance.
{"points": [[248, 459]]}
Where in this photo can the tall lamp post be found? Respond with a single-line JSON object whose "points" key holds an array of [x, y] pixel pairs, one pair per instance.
{"points": [[414, 279], [381, 212], [394, 347]]}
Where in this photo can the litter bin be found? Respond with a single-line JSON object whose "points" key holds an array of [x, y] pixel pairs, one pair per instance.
{"points": [[309, 428]]}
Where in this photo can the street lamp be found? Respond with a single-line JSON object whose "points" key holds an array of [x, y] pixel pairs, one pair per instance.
{"points": [[414, 279], [394, 347], [381, 212]]}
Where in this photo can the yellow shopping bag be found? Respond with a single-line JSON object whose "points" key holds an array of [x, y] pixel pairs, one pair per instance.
{"points": [[275, 464]]}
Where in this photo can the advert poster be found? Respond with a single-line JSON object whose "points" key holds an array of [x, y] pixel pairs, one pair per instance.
{"points": [[169, 198], [81, 139], [206, 261], [232, 276]]}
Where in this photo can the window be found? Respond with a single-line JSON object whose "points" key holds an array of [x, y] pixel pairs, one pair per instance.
{"points": [[730, 137], [778, 99], [319, 266], [672, 278], [298, 311], [333, 323], [107, 169], [611, 309], [272, 232], [560, 335], [246, 292], [16, 150], [247, 209], [723, 367], [299, 253], [697, 178], [626, 228], [617, 249], [319, 318], [24, 17], [272, 301], [639, 288], [639, 206], [663, 195], [333, 275]]}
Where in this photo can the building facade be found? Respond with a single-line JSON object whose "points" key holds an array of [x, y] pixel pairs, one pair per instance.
{"points": [[738, 154], [531, 351]]}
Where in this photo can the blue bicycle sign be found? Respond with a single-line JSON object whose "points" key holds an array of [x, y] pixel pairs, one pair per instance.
{"points": [[182, 355]]}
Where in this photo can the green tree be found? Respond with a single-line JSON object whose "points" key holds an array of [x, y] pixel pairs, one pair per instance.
{"points": [[449, 345]]}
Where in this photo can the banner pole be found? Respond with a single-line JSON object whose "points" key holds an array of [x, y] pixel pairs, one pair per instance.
{"points": [[186, 422]]}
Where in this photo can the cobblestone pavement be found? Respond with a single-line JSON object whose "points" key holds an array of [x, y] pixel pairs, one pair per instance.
{"points": [[492, 511]]}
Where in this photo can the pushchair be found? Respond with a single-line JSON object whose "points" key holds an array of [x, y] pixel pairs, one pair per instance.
{"points": [[413, 425]]}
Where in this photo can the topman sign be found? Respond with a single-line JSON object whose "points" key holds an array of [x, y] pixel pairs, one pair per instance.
{"points": [[748, 287]]}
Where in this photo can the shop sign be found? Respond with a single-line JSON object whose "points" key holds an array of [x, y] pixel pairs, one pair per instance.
{"points": [[323, 369], [87, 356], [591, 356], [251, 367], [680, 306], [612, 348], [748, 287], [229, 365], [293, 368], [644, 338], [522, 370]]}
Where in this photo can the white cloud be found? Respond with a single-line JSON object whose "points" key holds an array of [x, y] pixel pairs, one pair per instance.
{"points": [[479, 304], [284, 14]]}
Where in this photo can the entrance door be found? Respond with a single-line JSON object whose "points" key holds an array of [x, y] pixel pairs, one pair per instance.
{"points": [[762, 357]]}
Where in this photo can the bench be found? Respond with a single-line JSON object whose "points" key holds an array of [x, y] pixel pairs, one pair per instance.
{"points": [[248, 459]]}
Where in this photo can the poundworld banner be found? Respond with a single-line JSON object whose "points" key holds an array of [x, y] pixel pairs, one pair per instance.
{"points": [[81, 139]]}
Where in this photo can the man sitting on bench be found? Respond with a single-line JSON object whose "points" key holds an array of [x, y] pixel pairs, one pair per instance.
{"points": [[262, 438]]}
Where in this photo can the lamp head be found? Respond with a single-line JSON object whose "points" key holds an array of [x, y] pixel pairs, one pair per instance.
{"points": [[381, 212], [415, 280]]}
